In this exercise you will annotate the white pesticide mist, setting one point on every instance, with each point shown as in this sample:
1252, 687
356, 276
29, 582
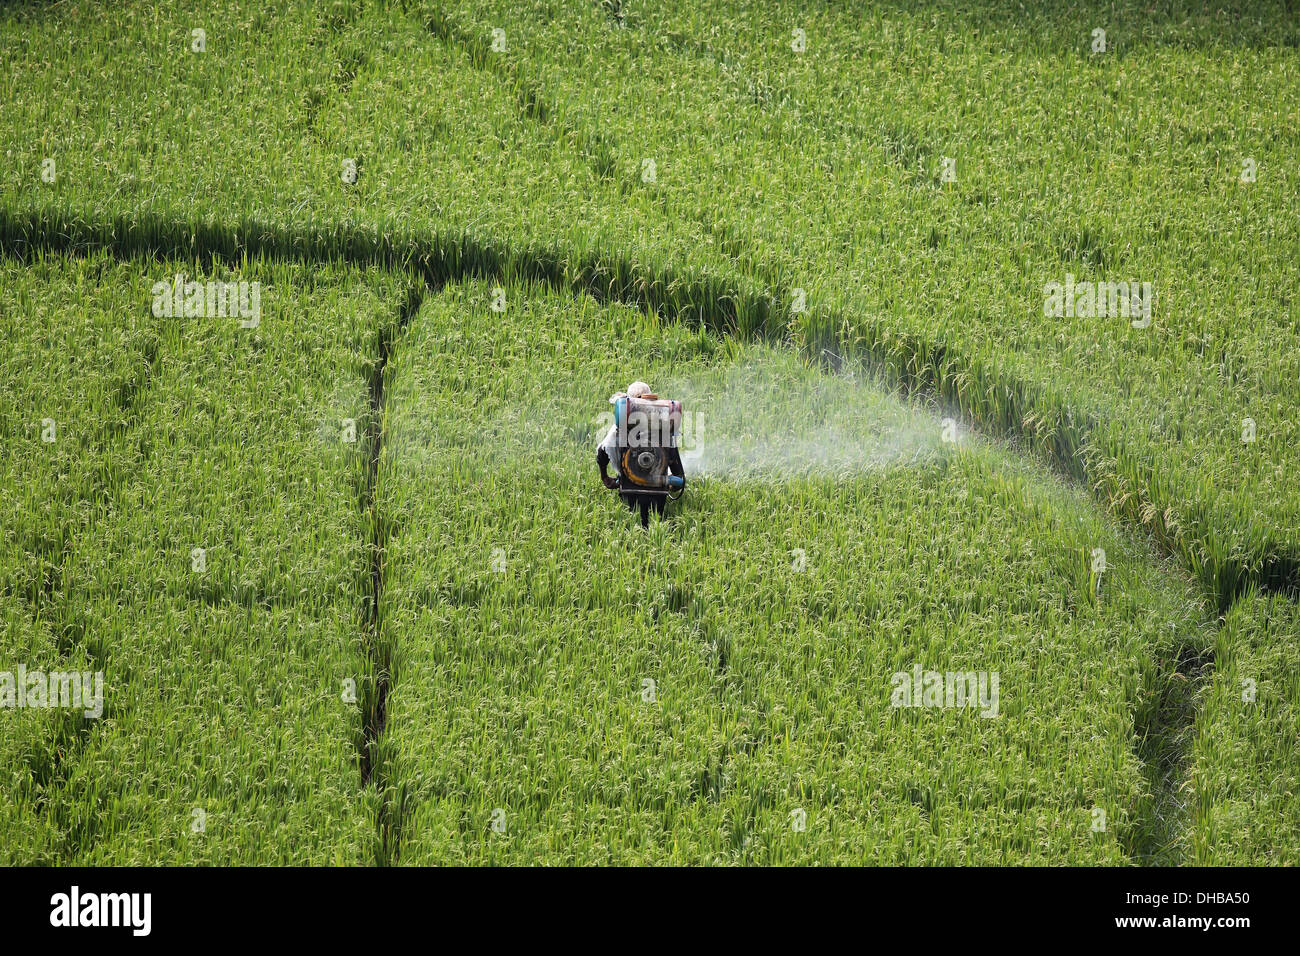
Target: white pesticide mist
773, 417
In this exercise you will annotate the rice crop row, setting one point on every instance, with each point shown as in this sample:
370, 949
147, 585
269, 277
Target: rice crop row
219, 583
67, 398
1243, 771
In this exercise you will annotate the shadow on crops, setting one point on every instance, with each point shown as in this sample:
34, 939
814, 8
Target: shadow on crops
436, 257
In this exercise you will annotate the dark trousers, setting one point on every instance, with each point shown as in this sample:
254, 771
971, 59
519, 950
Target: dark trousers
645, 503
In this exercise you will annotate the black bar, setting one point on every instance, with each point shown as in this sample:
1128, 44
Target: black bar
943, 907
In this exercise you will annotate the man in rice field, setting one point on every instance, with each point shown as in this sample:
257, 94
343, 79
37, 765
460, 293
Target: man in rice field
642, 446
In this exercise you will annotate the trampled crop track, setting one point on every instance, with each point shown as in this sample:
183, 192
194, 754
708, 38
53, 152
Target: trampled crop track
380, 654
913, 364
532, 104
594, 149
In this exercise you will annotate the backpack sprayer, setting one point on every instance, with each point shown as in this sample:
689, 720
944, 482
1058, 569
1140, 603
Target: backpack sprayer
647, 431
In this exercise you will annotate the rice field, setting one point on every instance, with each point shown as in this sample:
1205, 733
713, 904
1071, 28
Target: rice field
525, 615
354, 591
208, 557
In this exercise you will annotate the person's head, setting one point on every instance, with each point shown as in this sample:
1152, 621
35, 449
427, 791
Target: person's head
638, 390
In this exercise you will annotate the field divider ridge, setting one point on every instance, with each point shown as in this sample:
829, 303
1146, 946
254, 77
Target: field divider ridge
380, 653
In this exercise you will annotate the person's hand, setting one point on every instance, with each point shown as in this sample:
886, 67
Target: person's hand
610, 482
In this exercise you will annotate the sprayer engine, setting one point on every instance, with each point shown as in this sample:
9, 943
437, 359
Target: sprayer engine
646, 429
647, 468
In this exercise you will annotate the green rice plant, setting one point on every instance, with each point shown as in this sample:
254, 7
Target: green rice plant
525, 610
1243, 774
226, 740
74, 379
31, 740
70, 386
223, 586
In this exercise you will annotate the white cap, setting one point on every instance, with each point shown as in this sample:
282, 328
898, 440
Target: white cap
637, 389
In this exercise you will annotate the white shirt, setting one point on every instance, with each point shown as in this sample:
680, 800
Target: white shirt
610, 444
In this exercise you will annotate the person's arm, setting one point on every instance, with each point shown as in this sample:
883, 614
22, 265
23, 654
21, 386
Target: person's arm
675, 463
602, 462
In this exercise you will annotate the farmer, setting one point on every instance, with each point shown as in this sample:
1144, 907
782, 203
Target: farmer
609, 453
